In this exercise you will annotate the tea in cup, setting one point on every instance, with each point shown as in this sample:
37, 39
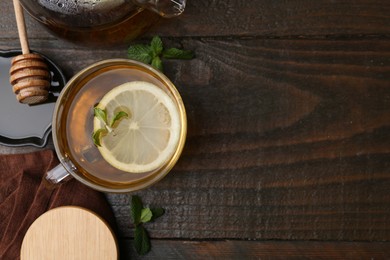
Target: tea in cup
118, 126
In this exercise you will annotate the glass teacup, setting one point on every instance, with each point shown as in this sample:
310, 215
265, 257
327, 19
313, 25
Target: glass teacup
73, 119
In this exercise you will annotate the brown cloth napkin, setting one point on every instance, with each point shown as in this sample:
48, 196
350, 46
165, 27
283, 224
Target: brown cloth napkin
24, 197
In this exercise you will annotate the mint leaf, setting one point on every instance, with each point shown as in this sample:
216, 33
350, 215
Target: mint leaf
118, 116
140, 52
141, 216
174, 53
156, 45
157, 63
157, 212
141, 240
146, 215
101, 114
152, 54
97, 136
136, 209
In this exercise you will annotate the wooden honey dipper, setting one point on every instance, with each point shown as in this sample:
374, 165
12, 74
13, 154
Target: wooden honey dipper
29, 74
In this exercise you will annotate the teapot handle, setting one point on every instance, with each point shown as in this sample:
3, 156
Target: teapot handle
165, 8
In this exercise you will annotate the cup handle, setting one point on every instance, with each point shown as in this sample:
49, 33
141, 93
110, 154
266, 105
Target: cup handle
165, 8
57, 175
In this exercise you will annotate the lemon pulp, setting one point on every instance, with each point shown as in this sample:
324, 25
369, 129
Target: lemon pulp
149, 136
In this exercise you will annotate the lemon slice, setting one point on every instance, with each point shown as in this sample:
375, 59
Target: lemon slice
149, 136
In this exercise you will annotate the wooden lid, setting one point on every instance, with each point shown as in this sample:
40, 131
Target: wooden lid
69, 233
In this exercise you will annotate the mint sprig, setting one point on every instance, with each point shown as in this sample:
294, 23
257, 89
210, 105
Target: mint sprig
141, 240
101, 114
97, 136
140, 52
118, 116
146, 215
141, 216
174, 53
136, 209
156, 45
154, 53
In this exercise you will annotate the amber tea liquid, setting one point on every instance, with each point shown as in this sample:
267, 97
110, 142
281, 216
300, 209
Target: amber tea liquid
75, 125
92, 22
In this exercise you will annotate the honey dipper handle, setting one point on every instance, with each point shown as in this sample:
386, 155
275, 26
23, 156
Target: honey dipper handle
21, 27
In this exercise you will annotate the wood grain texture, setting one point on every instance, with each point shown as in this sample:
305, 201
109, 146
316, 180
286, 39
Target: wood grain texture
288, 139
69, 233
166, 249
255, 18
288, 106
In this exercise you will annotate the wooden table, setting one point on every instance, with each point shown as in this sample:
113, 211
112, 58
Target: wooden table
288, 149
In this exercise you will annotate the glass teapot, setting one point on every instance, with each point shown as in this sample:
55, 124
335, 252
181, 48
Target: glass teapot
99, 22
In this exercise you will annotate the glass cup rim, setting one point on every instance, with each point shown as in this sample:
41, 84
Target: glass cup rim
165, 169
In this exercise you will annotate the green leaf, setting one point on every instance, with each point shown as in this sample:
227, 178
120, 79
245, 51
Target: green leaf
136, 209
146, 215
140, 52
101, 114
156, 45
97, 136
118, 116
174, 53
157, 212
154, 53
141, 240
157, 64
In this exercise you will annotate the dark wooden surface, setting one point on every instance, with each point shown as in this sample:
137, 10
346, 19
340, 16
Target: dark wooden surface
288, 107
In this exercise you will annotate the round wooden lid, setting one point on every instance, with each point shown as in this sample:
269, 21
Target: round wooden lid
69, 233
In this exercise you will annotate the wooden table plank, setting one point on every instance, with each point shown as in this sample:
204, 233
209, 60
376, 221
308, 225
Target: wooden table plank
305, 154
288, 139
256, 18
167, 249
